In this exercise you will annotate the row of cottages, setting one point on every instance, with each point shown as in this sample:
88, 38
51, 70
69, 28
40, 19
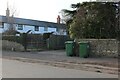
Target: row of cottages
36, 27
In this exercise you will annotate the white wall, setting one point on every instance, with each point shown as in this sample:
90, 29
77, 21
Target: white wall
32, 28
5, 27
25, 28
51, 29
1, 30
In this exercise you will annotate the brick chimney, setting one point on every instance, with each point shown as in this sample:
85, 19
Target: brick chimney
7, 11
58, 19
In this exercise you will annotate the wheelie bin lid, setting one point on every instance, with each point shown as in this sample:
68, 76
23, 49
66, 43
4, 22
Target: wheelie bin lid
86, 42
69, 42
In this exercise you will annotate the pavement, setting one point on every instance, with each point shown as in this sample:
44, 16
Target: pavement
18, 69
58, 58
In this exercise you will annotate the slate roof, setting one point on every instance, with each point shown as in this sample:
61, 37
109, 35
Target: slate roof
33, 22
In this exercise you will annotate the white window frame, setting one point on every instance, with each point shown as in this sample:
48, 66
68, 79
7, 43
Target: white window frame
20, 27
36, 28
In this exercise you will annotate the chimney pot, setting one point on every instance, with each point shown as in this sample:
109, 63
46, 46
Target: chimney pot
58, 19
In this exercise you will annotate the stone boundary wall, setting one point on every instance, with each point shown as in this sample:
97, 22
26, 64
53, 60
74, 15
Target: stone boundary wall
103, 47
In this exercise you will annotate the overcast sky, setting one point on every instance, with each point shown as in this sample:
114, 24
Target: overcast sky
45, 10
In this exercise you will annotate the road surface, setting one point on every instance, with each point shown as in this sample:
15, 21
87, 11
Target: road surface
60, 55
17, 69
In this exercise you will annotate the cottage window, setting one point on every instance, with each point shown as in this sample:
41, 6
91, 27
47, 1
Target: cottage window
1, 24
20, 27
45, 28
36, 28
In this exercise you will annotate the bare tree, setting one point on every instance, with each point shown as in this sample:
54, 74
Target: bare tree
10, 13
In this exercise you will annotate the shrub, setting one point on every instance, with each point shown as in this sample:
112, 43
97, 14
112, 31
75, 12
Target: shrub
11, 46
11, 38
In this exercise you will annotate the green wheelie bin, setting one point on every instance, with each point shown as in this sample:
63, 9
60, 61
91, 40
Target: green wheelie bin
69, 45
84, 49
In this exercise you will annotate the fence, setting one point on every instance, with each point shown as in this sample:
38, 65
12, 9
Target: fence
57, 42
38, 42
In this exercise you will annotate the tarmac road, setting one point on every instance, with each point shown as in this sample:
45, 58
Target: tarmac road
57, 55
17, 69
52, 58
